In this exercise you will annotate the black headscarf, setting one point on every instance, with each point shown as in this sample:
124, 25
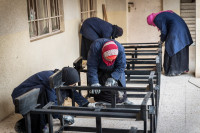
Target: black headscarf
70, 76
117, 31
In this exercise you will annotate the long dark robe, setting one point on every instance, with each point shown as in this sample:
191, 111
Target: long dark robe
178, 63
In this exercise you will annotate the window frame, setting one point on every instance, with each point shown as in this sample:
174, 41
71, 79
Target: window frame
35, 21
91, 10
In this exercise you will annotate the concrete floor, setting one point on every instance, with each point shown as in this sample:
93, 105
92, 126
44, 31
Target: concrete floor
179, 110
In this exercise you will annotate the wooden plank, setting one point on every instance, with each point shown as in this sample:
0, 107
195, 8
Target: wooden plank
27, 101
55, 80
104, 12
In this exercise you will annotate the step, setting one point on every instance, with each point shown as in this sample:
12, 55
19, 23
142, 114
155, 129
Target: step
188, 15
192, 29
189, 19
188, 6
193, 32
191, 26
188, 11
193, 36
188, 22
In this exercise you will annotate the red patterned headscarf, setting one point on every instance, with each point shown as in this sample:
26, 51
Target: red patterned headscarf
109, 52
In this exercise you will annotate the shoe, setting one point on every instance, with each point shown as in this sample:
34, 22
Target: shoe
45, 129
68, 119
91, 105
20, 126
127, 102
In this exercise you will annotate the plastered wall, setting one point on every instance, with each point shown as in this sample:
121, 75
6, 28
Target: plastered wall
197, 65
172, 5
21, 58
117, 15
99, 8
138, 29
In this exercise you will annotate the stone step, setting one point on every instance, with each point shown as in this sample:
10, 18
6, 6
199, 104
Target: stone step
188, 6
193, 35
189, 19
190, 22
191, 26
188, 14
188, 11
193, 32
192, 29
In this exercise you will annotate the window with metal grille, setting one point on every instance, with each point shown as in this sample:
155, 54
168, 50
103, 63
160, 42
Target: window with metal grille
88, 9
45, 18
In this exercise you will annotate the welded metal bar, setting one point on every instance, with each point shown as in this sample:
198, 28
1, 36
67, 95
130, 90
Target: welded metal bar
50, 120
140, 59
149, 43
137, 72
133, 51
152, 46
137, 82
136, 95
141, 62
103, 88
98, 125
93, 129
113, 98
128, 53
73, 101
84, 113
144, 68
119, 108
28, 122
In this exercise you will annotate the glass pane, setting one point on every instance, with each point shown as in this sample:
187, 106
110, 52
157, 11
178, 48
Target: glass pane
31, 9
92, 14
43, 27
33, 29
54, 8
55, 24
84, 5
91, 5
81, 5
42, 8
84, 16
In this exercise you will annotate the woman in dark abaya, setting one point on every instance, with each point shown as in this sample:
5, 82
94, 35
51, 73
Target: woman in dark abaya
95, 28
177, 38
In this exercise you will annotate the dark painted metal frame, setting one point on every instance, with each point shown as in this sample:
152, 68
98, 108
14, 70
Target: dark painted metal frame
139, 74
56, 80
139, 112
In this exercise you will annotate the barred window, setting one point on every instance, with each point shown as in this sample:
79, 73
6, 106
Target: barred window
45, 18
88, 9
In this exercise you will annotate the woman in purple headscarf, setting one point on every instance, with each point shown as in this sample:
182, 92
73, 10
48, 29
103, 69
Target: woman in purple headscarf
177, 37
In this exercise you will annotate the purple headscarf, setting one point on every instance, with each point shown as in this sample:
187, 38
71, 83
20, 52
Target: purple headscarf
152, 16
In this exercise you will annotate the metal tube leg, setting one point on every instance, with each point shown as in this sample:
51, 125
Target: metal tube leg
98, 125
28, 122
50, 123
